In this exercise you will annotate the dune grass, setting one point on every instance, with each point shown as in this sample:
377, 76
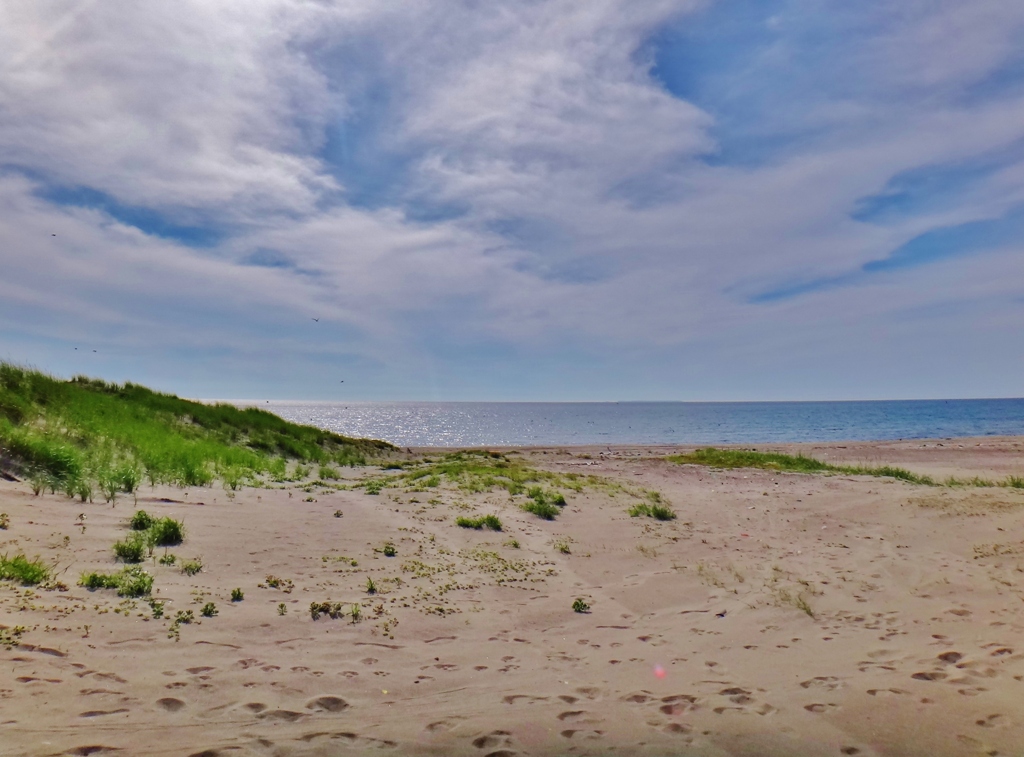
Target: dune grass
26, 572
83, 435
775, 461
484, 521
131, 581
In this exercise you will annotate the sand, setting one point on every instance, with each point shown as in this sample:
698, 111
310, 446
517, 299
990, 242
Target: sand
780, 614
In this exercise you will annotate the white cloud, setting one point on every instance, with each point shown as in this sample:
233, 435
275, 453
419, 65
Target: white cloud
590, 215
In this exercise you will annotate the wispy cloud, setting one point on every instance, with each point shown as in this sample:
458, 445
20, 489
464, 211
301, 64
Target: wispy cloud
674, 199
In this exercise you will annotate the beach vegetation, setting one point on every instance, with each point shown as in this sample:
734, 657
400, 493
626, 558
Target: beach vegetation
166, 532
389, 550
776, 461
371, 587
191, 567
167, 559
140, 521
282, 608
652, 510
131, 549
209, 610
580, 605
5, 521
23, 570
237, 595
73, 435
131, 581
484, 521
544, 510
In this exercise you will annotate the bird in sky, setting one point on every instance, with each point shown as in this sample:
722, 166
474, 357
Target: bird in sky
317, 320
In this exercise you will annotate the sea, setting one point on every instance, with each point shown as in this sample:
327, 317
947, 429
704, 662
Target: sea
487, 424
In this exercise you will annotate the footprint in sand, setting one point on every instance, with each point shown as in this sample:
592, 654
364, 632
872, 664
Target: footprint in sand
91, 749
575, 716
991, 721
829, 683
575, 734
100, 713
256, 707
492, 739
443, 726
568, 698
950, 657
350, 739
886, 692
818, 707
288, 716
327, 704
170, 704
929, 676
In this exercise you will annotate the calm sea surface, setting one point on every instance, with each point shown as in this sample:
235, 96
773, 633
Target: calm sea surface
469, 424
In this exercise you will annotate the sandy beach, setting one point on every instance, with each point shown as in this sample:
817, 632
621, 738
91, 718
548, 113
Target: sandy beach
778, 614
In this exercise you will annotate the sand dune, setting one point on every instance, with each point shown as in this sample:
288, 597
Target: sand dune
779, 614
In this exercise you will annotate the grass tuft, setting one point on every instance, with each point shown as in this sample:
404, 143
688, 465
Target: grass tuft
26, 572
776, 461
484, 521
656, 511
132, 549
141, 521
580, 605
131, 581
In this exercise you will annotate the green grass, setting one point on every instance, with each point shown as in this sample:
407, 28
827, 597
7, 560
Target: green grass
131, 581
580, 605
132, 549
656, 511
141, 521
26, 572
484, 521
209, 610
735, 458
544, 510
191, 567
478, 471
166, 532
84, 434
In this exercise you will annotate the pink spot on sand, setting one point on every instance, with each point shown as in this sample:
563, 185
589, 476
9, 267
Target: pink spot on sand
659, 672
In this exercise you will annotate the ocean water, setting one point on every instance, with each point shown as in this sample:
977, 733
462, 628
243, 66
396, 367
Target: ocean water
473, 424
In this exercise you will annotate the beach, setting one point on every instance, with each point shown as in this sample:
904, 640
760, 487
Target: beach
778, 614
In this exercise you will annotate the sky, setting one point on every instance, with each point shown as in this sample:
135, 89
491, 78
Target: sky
538, 200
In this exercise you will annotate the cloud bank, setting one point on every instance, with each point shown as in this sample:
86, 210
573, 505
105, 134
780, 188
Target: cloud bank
531, 200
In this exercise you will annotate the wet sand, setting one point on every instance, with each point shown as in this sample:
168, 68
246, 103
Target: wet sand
779, 614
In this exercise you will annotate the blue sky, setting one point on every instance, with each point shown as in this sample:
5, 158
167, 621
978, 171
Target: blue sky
674, 200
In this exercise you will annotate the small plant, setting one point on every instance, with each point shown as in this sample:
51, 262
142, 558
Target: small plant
371, 587
513, 543
544, 510
356, 613
390, 550
333, 611
167, 532
168, 559
27, 572
273, 582
1015, 482
338, 514
191, 567
11, 637
5, 521
484, 521
132, 549
282, 609
656, 511
327, 473
237, 595
209, 610
131, 581
562, 545
375, 486
580, 605
184, 617
157, 607
140, 521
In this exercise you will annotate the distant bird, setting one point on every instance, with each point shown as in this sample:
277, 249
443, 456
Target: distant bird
317, 320
94, 350
53, 235
343, 381
76, 348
